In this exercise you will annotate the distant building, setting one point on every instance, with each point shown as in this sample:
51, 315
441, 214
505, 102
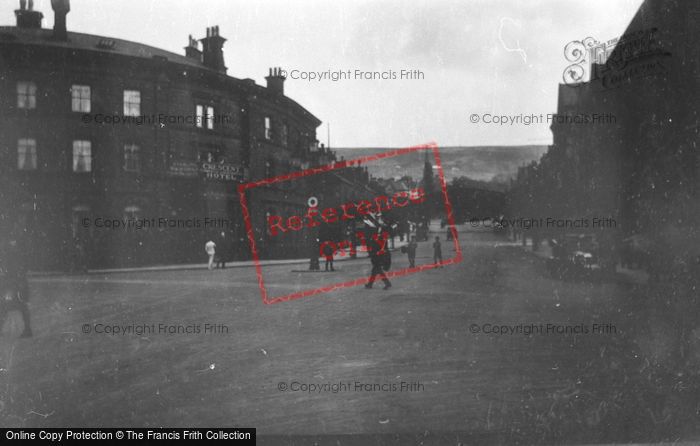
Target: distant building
639, 163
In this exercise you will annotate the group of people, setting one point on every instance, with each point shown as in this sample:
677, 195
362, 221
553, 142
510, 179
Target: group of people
381, 259
410, 249
380, 256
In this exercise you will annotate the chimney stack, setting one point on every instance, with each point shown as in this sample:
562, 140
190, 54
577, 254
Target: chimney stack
61, 8
192, 50
212, 50
275, 80
28, 18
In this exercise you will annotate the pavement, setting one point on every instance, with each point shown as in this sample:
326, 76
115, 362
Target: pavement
419, 362
235, 264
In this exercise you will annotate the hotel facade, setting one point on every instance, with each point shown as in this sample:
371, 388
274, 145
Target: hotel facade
133, 153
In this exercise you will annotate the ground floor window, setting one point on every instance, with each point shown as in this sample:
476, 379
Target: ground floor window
132, 159
26, 154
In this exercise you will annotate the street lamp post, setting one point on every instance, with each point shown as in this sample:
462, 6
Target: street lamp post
314, 264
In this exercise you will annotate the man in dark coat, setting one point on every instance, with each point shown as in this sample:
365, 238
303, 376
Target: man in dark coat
380, 257
411, 250
328, 254
222, 251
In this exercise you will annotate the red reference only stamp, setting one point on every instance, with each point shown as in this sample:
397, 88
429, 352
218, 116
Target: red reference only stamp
349, 220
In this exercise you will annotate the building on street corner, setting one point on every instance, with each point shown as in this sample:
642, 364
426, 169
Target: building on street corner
99, 134
640, 169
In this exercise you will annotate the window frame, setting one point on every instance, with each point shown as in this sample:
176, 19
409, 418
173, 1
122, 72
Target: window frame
210, 117
23, 147
26, 97
129, 105
80, 145
80, 88
199, 115
135, 158
268, 127
285, 135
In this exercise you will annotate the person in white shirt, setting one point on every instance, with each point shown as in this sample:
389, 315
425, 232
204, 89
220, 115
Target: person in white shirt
210, 248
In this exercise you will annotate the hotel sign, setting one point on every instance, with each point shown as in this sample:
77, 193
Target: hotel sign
207, 171
221, 171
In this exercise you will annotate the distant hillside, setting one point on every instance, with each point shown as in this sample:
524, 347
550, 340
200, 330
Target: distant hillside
481, 163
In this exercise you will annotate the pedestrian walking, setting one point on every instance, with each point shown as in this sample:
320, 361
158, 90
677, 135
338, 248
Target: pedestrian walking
411, 250
380, 256
210, 248
222, 251
437, 250
328, 254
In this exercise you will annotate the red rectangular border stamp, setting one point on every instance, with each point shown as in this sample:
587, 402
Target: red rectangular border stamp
267, 299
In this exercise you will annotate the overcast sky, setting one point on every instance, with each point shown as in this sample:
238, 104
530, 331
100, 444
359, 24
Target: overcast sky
477, 56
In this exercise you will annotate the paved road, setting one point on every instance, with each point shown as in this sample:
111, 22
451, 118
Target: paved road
420, 331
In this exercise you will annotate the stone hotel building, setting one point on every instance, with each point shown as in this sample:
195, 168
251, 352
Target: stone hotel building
96, 129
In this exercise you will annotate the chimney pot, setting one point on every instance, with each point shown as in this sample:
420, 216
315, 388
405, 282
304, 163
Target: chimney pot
28, 18
275, 80
212, 51
192, 50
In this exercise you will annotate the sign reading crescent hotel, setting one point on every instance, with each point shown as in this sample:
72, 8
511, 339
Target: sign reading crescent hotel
208, 171
222, 171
